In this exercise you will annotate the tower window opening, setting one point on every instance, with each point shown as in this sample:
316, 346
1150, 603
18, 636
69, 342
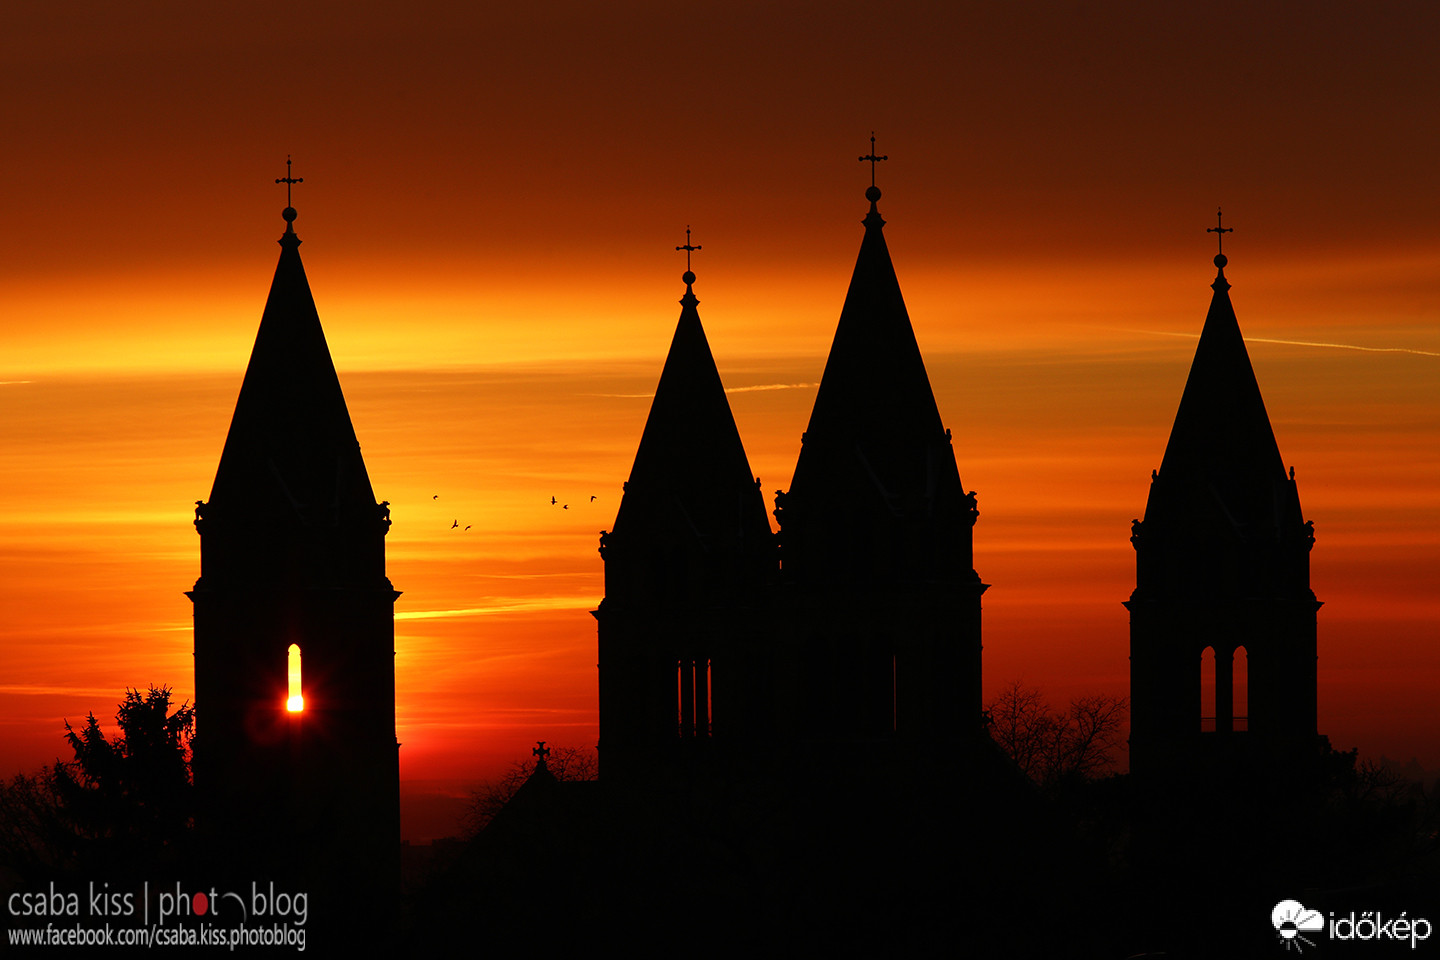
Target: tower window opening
1242, 689
1207, 690
295, 702
894, 695
694, 698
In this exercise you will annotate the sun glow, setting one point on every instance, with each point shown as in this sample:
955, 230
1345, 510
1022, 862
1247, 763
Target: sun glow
296, 702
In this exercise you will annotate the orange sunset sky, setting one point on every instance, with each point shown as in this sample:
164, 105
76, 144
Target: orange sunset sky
490, 206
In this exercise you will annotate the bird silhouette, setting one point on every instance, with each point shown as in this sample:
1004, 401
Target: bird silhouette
553, 501
455, 524
566, 507
592, 499
436, 497
467, 526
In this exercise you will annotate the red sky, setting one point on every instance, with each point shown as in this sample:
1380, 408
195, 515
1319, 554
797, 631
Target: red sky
490, 207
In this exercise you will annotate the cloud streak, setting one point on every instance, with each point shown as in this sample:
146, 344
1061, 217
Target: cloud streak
500, 606
771, 386
1299, 343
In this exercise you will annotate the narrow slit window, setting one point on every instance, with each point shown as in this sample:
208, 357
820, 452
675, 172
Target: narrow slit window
1242, 689
1207, 690
296, 701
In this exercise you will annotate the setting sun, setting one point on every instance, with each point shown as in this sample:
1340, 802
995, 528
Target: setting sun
296, 702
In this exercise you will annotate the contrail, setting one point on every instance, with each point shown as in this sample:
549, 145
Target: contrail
758, 386
1299, 343
1347, 346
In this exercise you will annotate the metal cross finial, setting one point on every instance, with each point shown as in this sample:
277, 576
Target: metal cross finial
289, 181
1219, 229
541, 751
872, 158
688, 247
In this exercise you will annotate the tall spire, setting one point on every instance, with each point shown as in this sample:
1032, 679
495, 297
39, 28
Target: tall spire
684, 568
876, 534
293, 590
1222, 575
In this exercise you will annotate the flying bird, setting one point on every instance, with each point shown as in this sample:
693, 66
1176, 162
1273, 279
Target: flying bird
553, 501
592, 498
455, 524
436, 497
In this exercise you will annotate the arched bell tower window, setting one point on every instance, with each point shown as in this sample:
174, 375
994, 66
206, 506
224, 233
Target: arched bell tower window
1218, 712
295, 702
1242, 688
1207, 690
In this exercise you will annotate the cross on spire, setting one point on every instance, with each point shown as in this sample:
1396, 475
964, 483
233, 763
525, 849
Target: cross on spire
688, 248
1220, 230
289, 181
541, 750
872, 158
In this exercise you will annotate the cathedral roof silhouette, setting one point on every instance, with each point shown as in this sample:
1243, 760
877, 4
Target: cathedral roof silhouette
291, 452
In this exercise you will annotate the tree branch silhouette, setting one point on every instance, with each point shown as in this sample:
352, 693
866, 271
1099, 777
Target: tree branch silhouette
1051, 747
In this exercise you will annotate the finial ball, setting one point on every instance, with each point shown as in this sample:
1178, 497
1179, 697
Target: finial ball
688, 277
872, 193
1220, 260
289, 214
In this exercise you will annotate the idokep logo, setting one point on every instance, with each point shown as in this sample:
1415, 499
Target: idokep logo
1290, 917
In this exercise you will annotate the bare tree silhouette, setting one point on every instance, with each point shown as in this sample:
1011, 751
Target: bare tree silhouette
1051, 746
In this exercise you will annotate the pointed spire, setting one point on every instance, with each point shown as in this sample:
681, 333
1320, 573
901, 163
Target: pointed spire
690, 474
1222, 464
876, 465
875, 394
291, 450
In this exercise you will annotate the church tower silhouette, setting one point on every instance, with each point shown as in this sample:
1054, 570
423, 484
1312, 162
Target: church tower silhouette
292, 548
1222, 581
861, 632
882, 598
680, 627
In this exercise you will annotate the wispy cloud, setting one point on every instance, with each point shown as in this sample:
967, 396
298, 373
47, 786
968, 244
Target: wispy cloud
501, 606
7, 383
39, 689
771, 386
